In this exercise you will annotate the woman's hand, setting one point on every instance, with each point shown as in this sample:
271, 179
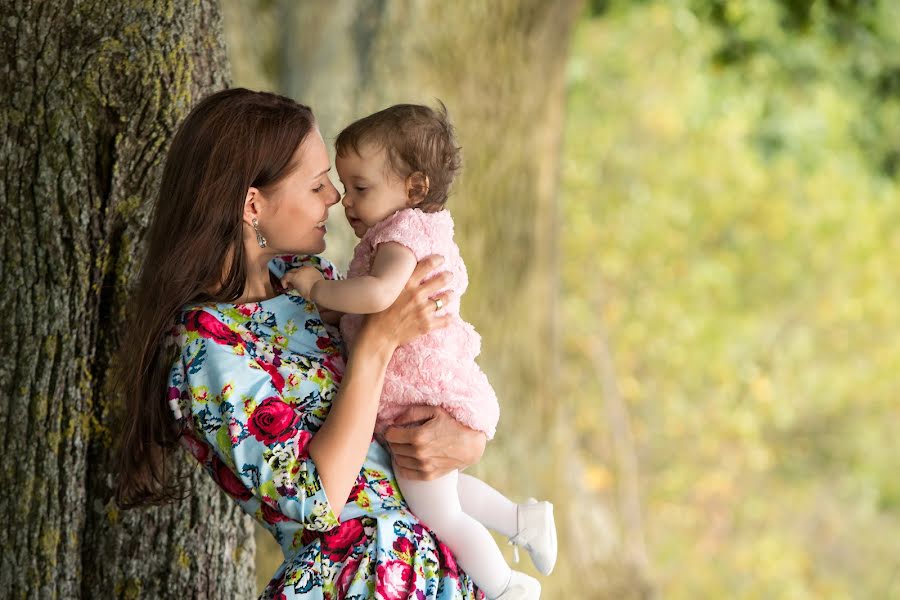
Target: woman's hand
414, 312
428, 443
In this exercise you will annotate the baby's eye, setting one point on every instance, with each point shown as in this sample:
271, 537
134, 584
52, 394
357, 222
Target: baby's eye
360, 189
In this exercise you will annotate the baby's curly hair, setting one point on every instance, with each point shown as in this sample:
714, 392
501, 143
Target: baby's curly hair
415, 138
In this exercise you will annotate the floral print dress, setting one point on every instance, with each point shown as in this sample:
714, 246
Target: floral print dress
250, 385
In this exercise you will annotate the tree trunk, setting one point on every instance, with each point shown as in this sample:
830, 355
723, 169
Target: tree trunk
92, 95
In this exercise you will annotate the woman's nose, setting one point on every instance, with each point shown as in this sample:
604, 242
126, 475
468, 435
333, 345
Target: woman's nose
336, 197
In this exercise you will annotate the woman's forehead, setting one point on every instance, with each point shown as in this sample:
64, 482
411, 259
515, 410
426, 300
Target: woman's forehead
311, 156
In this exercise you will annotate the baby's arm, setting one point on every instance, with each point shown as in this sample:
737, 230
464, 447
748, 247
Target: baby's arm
391, 269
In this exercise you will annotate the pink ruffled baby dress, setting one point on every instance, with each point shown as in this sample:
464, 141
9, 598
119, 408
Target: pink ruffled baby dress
438, 368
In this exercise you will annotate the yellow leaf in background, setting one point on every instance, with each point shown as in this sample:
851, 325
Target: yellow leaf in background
631, 388
664, 121
762, 389
598, 478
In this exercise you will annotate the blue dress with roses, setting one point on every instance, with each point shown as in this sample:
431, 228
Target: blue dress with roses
250, 385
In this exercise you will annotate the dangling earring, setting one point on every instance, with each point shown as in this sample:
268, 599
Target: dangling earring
259, 237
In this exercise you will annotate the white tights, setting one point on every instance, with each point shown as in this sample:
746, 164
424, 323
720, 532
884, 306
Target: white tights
459, 508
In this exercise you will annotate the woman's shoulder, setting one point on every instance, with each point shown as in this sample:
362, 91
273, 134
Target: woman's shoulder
277, 324
235, 344
264, 331
205, 322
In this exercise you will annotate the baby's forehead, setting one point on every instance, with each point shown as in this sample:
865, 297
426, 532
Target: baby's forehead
366, 151
368, 158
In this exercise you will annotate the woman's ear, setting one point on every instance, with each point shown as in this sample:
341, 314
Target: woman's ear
416, 188
251, 205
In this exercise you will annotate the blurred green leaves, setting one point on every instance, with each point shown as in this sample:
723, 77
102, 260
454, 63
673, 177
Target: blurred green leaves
735, 226
852, 46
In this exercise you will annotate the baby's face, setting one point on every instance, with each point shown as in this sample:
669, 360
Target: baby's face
372, 192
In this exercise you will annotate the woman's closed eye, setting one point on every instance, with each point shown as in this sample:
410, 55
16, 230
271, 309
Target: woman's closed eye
319, 189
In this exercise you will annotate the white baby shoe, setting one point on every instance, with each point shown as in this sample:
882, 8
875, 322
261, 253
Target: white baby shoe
537, 534
521, 587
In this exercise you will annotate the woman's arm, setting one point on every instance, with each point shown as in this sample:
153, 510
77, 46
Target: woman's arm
339, 448
428, 443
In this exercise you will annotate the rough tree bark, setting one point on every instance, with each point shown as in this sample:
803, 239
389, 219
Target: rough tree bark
92, 92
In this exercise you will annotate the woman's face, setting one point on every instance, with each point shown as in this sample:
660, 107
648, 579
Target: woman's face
292, 215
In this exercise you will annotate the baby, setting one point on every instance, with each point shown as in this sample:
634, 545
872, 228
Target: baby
396, 167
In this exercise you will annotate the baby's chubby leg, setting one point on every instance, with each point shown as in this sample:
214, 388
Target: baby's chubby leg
488, 506
529, 525
436, 503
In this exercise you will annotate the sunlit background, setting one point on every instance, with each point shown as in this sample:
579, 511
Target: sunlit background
682, 224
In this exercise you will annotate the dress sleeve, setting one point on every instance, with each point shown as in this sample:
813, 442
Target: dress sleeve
408, 228
258, 439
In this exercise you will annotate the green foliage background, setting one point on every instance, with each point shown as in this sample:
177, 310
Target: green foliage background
731, 219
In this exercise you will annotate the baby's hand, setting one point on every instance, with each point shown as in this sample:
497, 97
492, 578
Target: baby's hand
302, 280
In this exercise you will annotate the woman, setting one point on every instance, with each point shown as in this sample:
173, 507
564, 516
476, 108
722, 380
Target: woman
243, 374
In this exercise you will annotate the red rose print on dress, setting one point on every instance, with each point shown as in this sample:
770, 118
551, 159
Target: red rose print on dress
211, 328
404, 549
340, 541
346, 576
228, 481
325, 343
393, 580
309, 536
273, 421
335, 364
198, 449
384, 488
174, 394
448, 560
278, 588
272, 515
357, 488
303, 439
272, 370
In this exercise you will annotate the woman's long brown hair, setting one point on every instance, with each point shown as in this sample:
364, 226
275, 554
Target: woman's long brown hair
232, 140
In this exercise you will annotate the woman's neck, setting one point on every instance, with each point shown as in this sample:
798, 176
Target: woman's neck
259, 285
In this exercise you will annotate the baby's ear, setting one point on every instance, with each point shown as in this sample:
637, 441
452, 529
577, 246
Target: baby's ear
416, 187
